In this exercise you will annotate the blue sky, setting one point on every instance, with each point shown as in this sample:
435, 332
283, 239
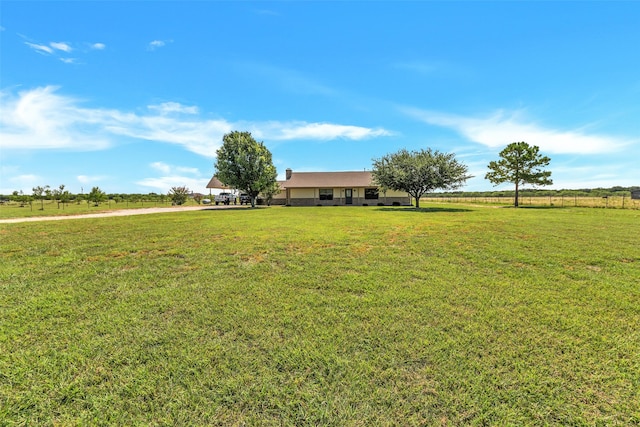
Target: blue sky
135, 97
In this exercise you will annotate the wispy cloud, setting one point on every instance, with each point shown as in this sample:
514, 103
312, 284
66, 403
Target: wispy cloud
40, 48
286, 131
61, 46
60, 49
50, 48
43, 119
173, 107
157, 44
88, 179
503, 127
170, 169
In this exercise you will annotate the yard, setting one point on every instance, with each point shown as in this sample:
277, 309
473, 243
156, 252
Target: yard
450, 315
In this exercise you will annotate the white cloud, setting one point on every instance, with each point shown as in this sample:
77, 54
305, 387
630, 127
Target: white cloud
40, 48
86, 179
61, 46
42, 119
59, 49
315, 131
162, 167
156, 44
502, 128
173, 107
169, 169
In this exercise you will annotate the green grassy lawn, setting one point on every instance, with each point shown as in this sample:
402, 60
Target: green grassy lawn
451, 315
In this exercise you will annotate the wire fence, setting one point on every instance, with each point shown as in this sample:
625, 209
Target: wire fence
611, 202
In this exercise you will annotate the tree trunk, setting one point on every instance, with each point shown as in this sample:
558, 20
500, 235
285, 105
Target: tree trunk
253, 201
417, 202
515, 202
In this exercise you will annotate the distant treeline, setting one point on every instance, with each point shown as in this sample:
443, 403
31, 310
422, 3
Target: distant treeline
66, 197
585, 192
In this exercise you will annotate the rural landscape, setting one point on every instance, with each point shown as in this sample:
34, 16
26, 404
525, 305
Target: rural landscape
446, 315
319, 213
440, 313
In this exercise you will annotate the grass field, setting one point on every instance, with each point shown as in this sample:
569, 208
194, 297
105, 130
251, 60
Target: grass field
610, 202
451, 315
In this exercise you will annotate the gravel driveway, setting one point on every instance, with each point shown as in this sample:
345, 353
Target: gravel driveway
123, 212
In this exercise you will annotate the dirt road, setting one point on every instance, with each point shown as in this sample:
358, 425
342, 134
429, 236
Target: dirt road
122, 212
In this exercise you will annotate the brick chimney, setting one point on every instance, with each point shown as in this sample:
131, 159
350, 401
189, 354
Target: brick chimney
289, 172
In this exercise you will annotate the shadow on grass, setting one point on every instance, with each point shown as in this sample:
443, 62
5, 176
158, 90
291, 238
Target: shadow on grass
232, 208
534, 207
422, 210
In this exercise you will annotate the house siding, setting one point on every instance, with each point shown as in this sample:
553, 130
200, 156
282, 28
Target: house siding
311, 197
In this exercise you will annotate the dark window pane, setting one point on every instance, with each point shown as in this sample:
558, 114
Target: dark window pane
370, 193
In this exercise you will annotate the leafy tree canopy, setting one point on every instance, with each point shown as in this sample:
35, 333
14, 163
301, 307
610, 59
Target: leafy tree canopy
419, 172
96, 196
519, 164
245, 164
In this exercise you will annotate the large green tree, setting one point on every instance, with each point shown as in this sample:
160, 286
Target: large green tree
419, 172
245, 164
520, 164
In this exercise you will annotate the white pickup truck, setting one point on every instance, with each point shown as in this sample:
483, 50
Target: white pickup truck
225, 198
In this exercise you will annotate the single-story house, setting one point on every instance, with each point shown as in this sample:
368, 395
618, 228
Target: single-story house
335, 188
330, 189
635, 194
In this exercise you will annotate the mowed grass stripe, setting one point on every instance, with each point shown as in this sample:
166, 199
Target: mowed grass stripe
323, 316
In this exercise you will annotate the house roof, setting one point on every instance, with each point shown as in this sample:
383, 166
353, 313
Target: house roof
328, 179
215, 183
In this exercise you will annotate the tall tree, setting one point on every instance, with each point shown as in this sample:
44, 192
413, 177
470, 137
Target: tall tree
419, 172
245, 164
520, 164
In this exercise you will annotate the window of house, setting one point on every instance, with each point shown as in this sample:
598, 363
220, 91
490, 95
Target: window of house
326, 194
370, 193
